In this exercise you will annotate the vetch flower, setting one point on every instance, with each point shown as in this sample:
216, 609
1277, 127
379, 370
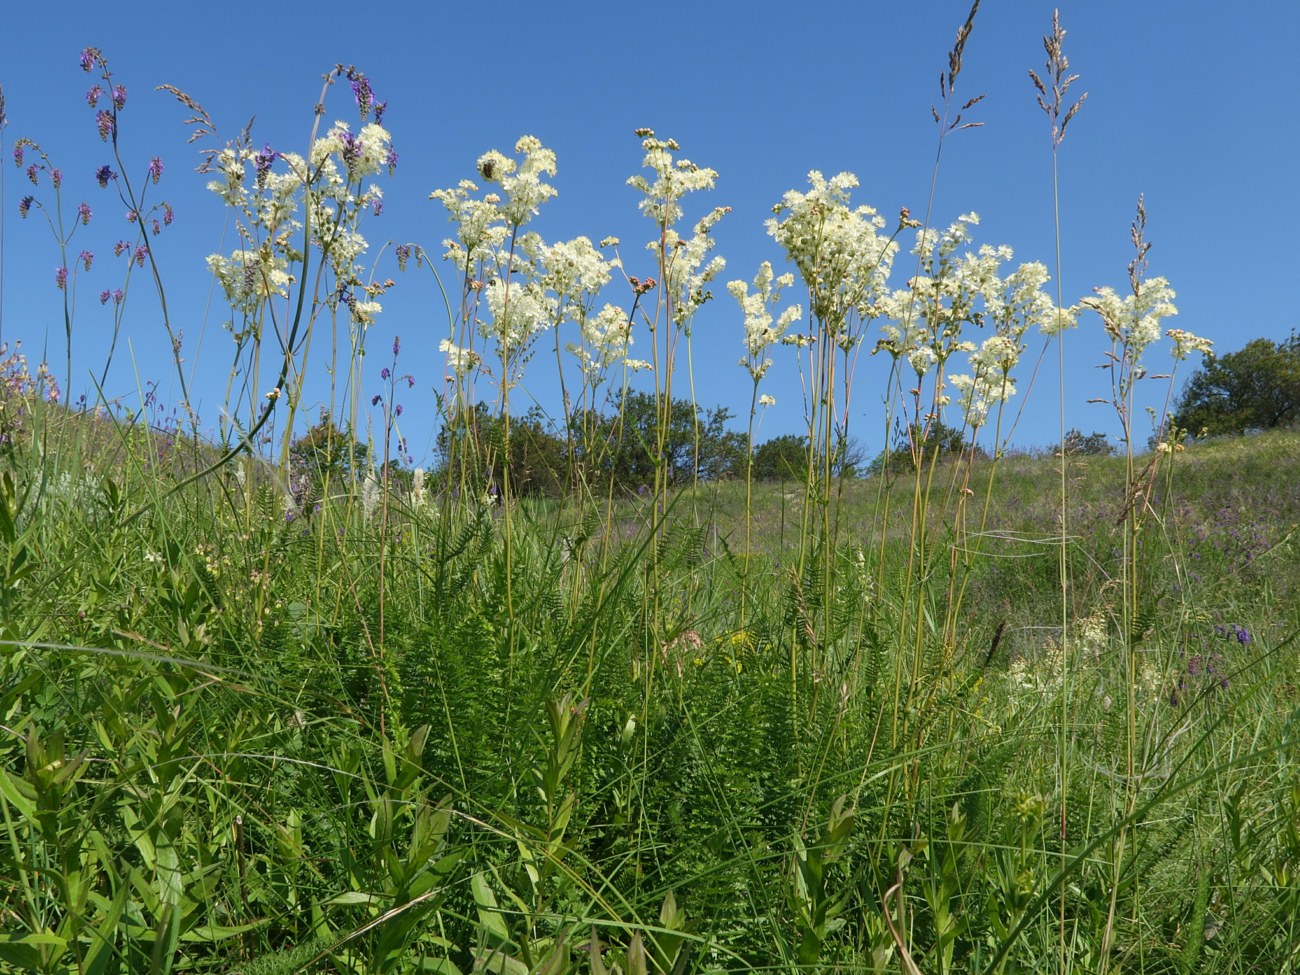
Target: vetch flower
61, 277
155, 169
103, 175
83, 213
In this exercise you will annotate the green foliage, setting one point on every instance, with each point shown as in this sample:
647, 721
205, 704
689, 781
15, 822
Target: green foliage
783, 458
1254, 388
696, 443
1087, 445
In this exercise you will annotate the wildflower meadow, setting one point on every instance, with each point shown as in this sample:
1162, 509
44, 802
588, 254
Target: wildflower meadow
612, 683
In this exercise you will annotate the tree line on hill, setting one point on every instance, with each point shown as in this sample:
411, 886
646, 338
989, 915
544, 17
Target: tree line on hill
1255, 388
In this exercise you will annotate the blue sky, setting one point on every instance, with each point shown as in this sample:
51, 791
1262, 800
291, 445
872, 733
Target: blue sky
1188, 103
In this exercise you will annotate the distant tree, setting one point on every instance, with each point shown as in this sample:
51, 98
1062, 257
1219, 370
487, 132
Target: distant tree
1255, 388
783, 458
921, 443
625, 446
326, 458
1091, 445
537, 461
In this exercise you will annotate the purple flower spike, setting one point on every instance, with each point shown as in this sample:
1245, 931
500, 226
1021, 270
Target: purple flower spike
167, 214
83, 213
88, 58
104, 174
374, 400
1243, 635
104, 122
104, 296
92, 96
33, 174
56, 177
24, 205
18, 154
61, 277
86, 258
384, 373
119, 97
397, 345
155, 169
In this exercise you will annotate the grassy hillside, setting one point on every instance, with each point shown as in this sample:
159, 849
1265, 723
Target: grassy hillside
414, 732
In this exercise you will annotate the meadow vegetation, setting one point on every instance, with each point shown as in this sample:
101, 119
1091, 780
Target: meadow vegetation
619, 690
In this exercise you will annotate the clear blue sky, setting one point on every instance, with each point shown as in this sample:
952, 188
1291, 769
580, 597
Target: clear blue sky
1189, 103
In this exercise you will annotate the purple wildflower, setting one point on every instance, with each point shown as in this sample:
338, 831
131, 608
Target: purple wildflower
104, 296
167, 214
119, 97
139, 255
83, 213
262, 161
351, 150
56, 177
397, 346
87, 258
103, 174
155, 169
384, 373
403, 252
120, 247
24, 205
118, 295
61, 277
104, 122
88, 58
156, 227
33, 174
92, 96
397, 411
361, 91
1242, 634
374, 400
380, 109
390, 160
18, 154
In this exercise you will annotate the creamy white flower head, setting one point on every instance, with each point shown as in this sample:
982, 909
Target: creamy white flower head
766, 400
460, 361
524, 186
230, 163
606, 337
922, 358
1185, 343
687, 273
575, 270
839, 251
674, 178
479, 223
250, 277
760, 330
365, 312
1134, 320
519, 312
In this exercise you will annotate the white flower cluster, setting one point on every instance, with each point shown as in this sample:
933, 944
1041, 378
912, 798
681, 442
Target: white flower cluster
953, 291
330, 182
1185, 343
689, 269
839, 250
674, 178
1134, 320
761, 332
